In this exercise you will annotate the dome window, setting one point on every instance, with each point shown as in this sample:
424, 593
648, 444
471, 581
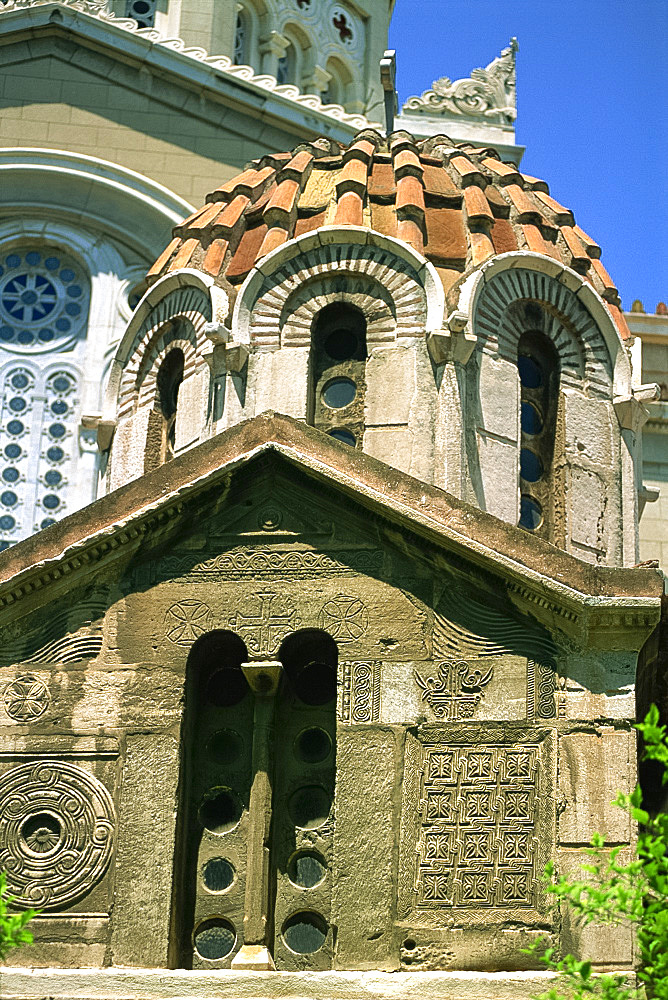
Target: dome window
337, 376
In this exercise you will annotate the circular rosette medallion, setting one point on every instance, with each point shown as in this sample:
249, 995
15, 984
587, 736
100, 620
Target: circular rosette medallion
56, 832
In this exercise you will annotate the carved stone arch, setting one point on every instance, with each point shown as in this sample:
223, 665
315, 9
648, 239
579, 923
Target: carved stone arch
503, 311
387, 288
176, 321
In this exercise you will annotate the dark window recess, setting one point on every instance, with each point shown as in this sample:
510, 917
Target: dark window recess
337, 373
540, 488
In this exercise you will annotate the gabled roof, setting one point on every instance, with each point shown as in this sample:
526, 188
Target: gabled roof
561, 591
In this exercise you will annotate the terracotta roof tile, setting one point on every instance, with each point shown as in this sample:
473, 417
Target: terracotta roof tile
246, 253
506, 173
183, 254
620, 321
609, 292
562, 216
503, 236
592, 248
226, 220
527, 210
446, 239
163, 258
381, 182
214, 257
456, 204
477, 206
349, 210
410, 196
580, 260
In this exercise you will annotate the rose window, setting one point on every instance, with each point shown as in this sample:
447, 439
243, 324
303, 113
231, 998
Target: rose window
43, 299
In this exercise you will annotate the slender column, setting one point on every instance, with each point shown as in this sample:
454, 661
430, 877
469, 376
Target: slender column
263, 678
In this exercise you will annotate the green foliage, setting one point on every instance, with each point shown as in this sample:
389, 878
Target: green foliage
12, 925
634, 894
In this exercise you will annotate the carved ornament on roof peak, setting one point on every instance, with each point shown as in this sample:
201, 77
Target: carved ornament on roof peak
488, 95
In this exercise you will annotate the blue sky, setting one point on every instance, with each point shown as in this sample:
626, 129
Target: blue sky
592, 95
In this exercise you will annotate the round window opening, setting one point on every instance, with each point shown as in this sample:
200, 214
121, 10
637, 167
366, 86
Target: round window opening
531, 467
305, 932
339, 392
531, 420
531, 375
341, 344
218, 874
307, 869
215, 939
341, 434
531, 513
220, 811
313, 745
43, 299
309, 807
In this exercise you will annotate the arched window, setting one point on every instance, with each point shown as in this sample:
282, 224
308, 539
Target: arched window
340, 84
287, 66
240, 54
337, 382
161, 436
38, 426
255, 832
538, 367
143, 11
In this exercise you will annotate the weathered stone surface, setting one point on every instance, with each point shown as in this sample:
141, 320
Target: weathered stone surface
143, 889
364, 871
602, 944
593, 767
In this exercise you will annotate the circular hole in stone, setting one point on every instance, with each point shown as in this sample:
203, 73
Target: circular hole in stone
313, 745
409, 944
226, 687
531, 420
531, 467
339, 392
315, 684
531, 513
341, 434
309, 807
41, 833
214, 939
218, 874
306, 869
225, 746
305, 932
220, 811
341, 345
531, 375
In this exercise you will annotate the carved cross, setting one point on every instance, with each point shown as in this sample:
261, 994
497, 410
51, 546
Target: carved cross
340, 22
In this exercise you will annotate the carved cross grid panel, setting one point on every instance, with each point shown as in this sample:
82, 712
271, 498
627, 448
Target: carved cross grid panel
265, 623
478, 814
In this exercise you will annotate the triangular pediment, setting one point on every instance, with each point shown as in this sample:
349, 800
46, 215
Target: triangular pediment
272, 497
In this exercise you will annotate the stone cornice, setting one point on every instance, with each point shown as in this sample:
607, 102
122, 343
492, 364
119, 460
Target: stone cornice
588, 604
260, 94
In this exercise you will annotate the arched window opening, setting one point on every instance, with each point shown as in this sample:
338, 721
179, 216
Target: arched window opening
215, 792
161, 437
287, 66
306, 763
255, 827
541, 495
240, 55
340, 84
337, 372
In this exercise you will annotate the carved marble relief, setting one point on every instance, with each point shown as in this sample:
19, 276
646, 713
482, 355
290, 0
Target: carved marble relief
56, 832
359, 691
478, 812
265, 620
26, 698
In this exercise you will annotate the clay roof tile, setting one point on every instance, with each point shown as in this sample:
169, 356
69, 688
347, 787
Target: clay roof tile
562, 216
477, 206
526, 208
579, 259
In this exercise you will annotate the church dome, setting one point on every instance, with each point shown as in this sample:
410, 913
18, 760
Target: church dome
455, 203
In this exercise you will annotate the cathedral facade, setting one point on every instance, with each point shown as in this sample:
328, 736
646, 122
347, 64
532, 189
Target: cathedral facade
352, 642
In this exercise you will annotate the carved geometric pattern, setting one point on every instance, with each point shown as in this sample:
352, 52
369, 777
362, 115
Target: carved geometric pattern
344, 617
262, 564
186, 621
478, 812
360, 691
25, 698
456, 690
264, 627
56, 832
